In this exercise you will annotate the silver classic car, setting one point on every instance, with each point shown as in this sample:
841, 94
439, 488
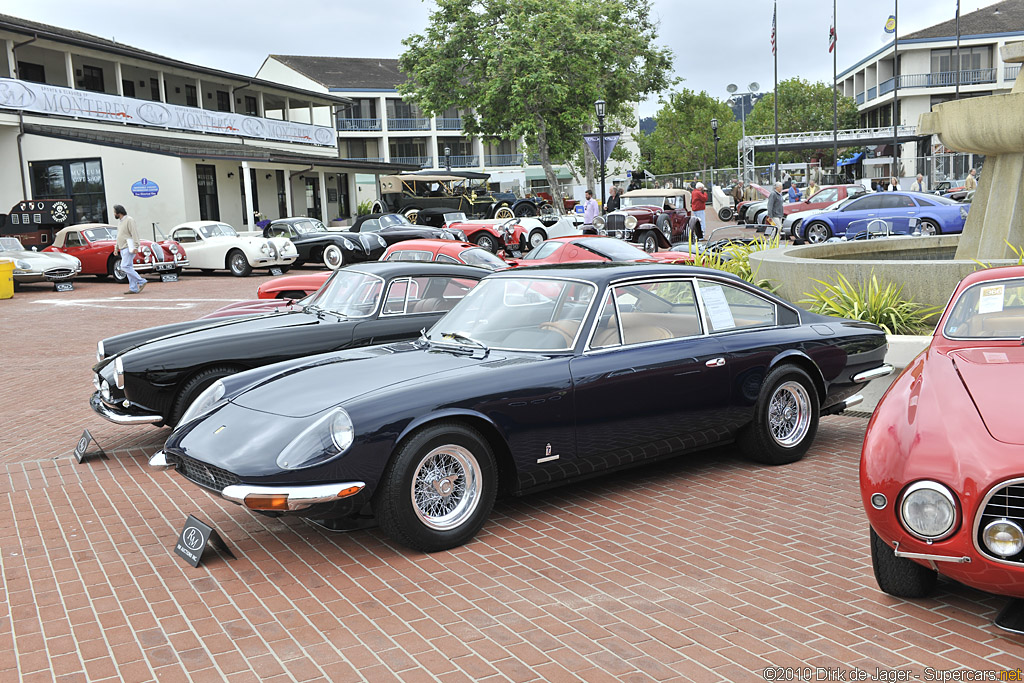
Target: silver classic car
38, 266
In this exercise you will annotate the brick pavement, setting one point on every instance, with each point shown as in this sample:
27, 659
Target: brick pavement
702, 568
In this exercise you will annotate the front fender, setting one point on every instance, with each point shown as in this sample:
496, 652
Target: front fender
450, 414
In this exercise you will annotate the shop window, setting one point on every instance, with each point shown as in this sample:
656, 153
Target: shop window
92, 79
206, 181
191, 99
80, 180
28, 71
128, 87
223, 101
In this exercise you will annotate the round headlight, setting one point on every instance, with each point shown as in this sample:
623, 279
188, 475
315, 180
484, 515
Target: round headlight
22, 265
599, 222
326, 438
1003, 537
342, 431
345, 244
265, 248
630, 222
928, 510
204, 402
173, 248
381, 242
105, 390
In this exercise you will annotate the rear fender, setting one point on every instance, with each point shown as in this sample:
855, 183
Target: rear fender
802, 361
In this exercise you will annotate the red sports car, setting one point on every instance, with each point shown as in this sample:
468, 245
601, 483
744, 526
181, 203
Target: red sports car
94, 245
444, 251
494, 234
292, 286
942, 468
579, 248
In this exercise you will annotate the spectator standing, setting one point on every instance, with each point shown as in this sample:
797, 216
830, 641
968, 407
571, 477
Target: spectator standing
812, 188
127, 244
737, 193
918, 185
794, 193
775, 210
613, 199
699, 201
590, 211
972, 181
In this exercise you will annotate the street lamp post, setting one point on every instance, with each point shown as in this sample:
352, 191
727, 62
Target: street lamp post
599, 110
714, 134
448, 158
752, 89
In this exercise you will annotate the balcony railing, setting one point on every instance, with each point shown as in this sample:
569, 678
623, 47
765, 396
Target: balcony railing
422, 162
860, 98
408, 124
358, 124
941, 79
504, 160
449, 124
871, 93
1010, 72
459, 161
363, 158
886, 86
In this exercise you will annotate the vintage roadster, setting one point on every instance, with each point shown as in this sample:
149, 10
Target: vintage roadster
213, 245
941, 470
314, 243
538, 377
38, 266
94, 244
651, 218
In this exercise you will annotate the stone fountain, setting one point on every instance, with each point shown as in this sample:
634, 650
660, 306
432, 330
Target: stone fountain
929, 268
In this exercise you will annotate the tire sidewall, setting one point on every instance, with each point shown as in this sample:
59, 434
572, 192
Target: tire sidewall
486, 241
238, 257
816, 224
393, 500
115, 271
537, 232
649, 237
334, 249
759, 442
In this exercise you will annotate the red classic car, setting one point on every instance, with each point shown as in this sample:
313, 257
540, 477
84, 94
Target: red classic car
444, 251
582, 248
651, 218
292, 286
94, 245
942, 468
492, 234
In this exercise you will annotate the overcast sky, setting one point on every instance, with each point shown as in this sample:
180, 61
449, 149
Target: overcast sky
715, 42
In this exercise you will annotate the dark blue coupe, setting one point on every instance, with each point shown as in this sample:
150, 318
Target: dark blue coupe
935, 215
537, 377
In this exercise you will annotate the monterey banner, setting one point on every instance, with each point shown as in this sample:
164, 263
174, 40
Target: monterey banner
593, 141
52, 99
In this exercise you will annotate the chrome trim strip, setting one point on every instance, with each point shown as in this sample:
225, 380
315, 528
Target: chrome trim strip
883, 370
159, 461
930, 558
980, 511
299, 497
105, 411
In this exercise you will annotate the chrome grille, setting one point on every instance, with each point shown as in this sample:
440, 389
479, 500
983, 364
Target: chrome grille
207, 476
158, 253
58, 273
1005, 502
615, 221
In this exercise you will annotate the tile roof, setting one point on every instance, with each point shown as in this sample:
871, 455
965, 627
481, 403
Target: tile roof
353, 73
1006, 16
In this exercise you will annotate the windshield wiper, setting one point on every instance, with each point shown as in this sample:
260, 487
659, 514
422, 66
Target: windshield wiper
469, 341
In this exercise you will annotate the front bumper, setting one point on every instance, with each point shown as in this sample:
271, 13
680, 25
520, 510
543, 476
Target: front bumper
160, 266
118, 415
51, 275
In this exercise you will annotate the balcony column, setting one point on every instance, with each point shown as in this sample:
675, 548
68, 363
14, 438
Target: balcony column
288, 193
260, 109
118, 77
247, 190
163, 86
323, 198
69, 69
199, 93
287, 109
382, 110
311, 112
478, 149
12, 65
231, 99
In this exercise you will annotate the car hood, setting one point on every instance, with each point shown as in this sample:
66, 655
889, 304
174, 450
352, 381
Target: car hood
986, 372
334, 379
43, 260
639, 210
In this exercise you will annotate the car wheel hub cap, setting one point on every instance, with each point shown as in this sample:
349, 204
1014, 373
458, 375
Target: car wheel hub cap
446, 487
789, 414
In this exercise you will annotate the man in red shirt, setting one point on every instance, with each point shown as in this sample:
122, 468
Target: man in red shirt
699, 200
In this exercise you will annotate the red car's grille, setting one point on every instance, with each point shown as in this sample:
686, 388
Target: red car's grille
1006, 502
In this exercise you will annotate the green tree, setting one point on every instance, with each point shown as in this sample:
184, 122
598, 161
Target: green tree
534, 68
682, 140
803, 106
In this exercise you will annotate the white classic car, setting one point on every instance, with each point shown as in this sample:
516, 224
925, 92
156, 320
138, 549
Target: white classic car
38, 266
212, 245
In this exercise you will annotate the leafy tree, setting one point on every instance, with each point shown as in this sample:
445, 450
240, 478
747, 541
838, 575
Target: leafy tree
534, 68
803, 106
682, 140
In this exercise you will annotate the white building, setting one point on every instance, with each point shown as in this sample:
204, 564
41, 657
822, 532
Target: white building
927, 71
380, 126
86, 119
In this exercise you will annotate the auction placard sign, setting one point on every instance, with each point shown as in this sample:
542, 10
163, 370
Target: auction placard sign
52, 99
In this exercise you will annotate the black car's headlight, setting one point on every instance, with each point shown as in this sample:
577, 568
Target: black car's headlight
928, 510
210, 397
119, 373
460, 235
326, 438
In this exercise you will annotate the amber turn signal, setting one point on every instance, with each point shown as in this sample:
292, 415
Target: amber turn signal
267, 501
350, 491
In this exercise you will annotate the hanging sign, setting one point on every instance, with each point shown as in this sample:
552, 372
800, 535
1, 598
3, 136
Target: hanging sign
145, 188
38, 214
593, 141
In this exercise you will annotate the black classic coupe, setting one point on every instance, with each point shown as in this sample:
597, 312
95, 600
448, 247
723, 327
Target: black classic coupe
539, 376
316, 244
151, 376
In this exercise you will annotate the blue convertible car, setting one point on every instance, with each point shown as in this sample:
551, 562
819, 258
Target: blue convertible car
935, 215
537, 377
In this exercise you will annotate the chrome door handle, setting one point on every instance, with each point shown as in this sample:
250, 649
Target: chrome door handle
715, 363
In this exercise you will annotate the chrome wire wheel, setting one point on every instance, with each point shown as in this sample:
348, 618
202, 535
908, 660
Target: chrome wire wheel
446, 487
789, 414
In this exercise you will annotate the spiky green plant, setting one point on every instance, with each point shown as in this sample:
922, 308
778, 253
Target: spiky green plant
870, 302
738, 261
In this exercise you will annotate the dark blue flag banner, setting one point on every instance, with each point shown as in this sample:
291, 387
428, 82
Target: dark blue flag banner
593, 141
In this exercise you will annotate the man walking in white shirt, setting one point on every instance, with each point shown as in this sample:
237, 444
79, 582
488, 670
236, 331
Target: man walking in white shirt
128, 243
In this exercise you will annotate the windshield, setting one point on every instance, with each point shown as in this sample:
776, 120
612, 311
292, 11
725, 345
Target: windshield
10, 244
988, 310
612, 249
305, 227
390, 220
458, 217
94, 234
483, 258
349, 293
217, 230
645, 201
520, 314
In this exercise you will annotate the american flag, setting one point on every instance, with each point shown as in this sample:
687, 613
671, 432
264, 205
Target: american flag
774, 13
832, 39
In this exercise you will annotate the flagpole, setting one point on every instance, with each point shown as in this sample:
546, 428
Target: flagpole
958, 64
895, 89
835, 94
775, 54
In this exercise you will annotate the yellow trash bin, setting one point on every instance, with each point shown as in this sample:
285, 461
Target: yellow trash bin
6, 278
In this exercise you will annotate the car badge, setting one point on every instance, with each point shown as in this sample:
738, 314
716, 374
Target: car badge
208, 475
220, 429
547, 455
